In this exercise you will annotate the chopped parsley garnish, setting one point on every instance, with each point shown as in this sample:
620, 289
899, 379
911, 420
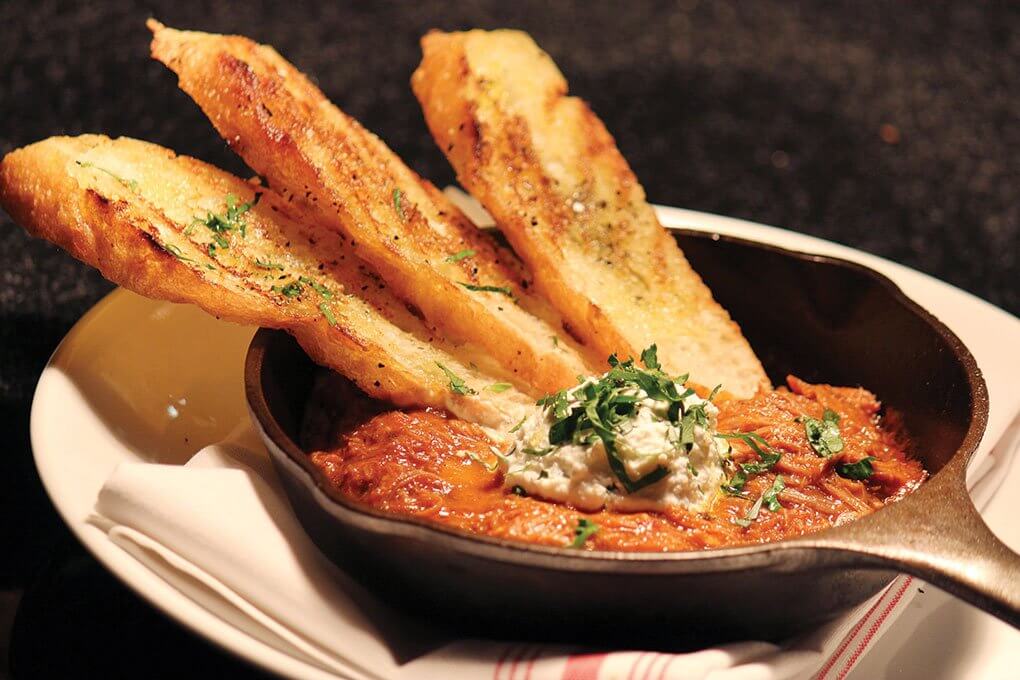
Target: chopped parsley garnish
823, 435
499, 387
598, 409
268, 265
398, 203
518, 425
489, 289
537, 452
584, 530
858, 471
174, 250
328, 313
129, 183
695, 415
769, 498
649, 357
767, 457
556, 341
230, 220
771, 495
316, 286
292, 289
461, 255
457, 385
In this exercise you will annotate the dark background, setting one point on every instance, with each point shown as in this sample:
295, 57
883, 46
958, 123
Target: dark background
891, 127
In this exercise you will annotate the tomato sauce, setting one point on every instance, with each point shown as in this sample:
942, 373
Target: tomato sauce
414, 463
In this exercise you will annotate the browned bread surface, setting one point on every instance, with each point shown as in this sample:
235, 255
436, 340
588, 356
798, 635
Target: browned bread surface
286, 129
552, 177
173, 228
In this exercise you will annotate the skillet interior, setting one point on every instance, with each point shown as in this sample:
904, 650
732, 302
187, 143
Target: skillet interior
823, 319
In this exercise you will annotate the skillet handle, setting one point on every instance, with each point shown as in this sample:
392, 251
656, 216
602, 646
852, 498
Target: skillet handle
937, 534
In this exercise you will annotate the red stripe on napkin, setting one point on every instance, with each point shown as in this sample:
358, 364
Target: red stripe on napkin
852, 661
637, 662
852, 636
665, 666
535, 653
501, 661
647, 675
584, 667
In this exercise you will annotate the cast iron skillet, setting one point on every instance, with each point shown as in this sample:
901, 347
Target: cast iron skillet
820, 318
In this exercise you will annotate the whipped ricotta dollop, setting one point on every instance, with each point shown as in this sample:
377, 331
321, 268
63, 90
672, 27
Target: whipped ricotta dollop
631, 439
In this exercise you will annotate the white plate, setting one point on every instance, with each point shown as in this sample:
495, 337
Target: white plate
152, 381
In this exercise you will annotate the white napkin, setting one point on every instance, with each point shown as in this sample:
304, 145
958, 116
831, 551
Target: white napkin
221, 531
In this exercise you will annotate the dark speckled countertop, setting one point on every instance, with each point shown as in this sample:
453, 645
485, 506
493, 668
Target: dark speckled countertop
891, 127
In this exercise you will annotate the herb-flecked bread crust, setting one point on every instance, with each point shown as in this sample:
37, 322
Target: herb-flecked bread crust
551, 175
407, 230
161, 225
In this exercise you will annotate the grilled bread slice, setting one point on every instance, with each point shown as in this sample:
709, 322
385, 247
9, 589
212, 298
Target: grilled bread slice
174, 228
422, 245
550, 174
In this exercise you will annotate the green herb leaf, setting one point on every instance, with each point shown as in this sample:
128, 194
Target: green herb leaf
585, 529
489, 289
457, 385
518, 425
292, 289
649, 357
767, 455
858, 471
770, 499
317, 287
656, 475
175, 251
230, 220
537, 452
268, 265
823, 435
767, 458
735, 485
597, 409
398, 203
129, 183
752, 513
499, 387
460, 255
563, 430
771, 495
328, 313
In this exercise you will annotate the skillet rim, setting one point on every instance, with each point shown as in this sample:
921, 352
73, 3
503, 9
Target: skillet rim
727, 559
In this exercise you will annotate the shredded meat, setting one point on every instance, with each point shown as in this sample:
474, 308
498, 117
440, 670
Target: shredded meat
415, 463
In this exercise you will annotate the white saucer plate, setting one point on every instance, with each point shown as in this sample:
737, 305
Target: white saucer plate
139, 380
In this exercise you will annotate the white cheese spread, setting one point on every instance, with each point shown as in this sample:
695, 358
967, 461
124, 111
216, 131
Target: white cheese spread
662, 450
